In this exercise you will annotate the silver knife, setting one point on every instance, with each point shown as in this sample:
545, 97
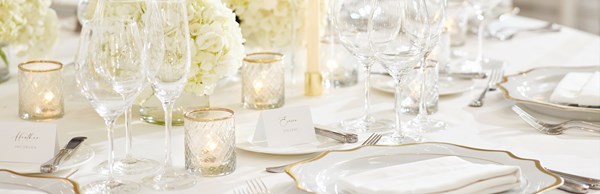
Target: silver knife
53, 164
573, 186
341, 137
592, 182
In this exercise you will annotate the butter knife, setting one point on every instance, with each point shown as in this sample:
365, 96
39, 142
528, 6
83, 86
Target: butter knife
341, 137
573, 186
53, 164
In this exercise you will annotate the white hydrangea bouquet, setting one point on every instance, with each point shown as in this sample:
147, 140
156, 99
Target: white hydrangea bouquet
271, 23
30, 27
217, 44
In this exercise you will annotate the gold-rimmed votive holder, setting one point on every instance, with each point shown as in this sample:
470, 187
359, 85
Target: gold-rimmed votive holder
210, 141
263, 81
40, 90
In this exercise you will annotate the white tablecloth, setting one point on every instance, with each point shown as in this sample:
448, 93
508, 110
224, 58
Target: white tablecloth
493, 126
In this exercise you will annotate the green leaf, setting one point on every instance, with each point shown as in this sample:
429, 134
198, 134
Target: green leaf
3, 56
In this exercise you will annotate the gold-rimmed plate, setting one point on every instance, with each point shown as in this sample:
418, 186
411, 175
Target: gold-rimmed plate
14, 182
533, 88
320, 174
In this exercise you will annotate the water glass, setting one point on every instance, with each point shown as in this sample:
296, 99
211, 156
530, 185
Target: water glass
411, 90
210, 141
40, 90
263, 82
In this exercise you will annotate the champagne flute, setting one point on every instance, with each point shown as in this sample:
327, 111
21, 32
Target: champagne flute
109, 72
433, 13
131, 165
482, 8
168, 83
397, 42
350, 19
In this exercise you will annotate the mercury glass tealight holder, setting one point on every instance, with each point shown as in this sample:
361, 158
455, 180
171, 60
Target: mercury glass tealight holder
40, 90
263, 82
210, 141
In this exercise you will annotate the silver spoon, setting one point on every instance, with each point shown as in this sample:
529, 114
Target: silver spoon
507, 34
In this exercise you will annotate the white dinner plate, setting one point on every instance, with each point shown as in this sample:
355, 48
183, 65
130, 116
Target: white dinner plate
533, 88
446, 85
13, 182
244, 142
83, 155
320, 174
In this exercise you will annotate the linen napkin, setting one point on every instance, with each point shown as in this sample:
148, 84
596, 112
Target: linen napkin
448, 174
578, 88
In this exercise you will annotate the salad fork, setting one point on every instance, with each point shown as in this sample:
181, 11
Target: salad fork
554, 129
495, 77
371, 140
254, 186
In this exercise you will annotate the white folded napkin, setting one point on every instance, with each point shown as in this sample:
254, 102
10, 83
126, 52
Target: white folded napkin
578, 88
448, 174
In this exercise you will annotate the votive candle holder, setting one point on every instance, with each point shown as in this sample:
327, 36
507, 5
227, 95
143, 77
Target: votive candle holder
40, 90
210, 141
263, 81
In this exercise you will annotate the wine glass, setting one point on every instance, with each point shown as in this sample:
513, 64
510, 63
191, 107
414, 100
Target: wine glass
482, 8
109, 72
397, 42
131, 165
168, 83
432, 19
350, 19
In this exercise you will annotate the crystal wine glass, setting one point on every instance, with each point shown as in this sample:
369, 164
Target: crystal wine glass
168, 83
433, 12
397, 42
350, 19
482, 8
109, 72
131, 165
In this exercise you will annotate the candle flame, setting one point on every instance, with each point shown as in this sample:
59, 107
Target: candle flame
48, 96
258, 85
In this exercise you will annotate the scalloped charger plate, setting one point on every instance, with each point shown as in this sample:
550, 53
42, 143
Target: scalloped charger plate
320, 174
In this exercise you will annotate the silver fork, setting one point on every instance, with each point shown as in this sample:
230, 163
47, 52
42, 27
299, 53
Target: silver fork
554, 128
254, 186
371, 140
495, 77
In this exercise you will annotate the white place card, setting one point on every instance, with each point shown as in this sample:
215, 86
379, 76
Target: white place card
27, 142
285, 127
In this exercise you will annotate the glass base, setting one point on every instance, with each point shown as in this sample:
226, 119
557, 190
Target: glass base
425, 124
111, 186
129, 166
170, 179
367, 125
395, 139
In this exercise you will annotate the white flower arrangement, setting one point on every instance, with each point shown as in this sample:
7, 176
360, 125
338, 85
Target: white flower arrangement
30, 27
269, 23
217, 44
216, 40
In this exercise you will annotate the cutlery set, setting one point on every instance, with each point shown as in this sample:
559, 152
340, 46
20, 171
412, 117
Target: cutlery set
53, 164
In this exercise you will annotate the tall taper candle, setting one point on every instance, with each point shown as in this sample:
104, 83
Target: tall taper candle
313, 79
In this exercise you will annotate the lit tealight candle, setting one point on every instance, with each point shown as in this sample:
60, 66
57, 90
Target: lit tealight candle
40, 90
263, 81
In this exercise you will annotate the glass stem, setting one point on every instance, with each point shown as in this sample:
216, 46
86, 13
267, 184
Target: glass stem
168, 108
480, 38
422, 100
367, 93
111, 150
397, 107
128, 139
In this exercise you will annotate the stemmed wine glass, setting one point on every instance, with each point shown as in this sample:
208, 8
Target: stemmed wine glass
130, 165
350, 19
482, 8
397, 41
168, 83
432, 13
109, 72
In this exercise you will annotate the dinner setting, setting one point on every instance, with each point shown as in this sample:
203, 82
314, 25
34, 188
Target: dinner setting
299, 96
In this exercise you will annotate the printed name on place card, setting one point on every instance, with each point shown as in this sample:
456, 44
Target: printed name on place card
27, 142
285, 127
